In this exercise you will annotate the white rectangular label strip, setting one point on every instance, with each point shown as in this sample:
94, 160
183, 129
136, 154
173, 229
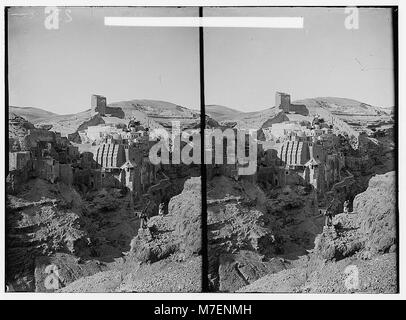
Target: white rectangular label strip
221, 22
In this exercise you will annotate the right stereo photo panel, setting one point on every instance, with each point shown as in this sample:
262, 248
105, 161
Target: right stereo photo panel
300, 151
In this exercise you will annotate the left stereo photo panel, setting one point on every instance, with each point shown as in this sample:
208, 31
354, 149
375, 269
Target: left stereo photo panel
101, 195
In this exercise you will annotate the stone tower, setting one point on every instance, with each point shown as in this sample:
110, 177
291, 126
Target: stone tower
282, 101
98, 104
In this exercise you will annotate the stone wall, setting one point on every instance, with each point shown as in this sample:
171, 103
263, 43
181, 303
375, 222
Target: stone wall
47, 169
18, 160
66, 174
299, 109
98, 104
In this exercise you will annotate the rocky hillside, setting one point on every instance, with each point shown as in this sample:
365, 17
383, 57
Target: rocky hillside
342, 106
353, 115
370, 229
221, 113
152, 113
359, 116
17, 129
255, 231
129, 275
359, 255
377, 275
40, 221
241, 236
178, 232
163, 258
154, 108
65, 124
33, 115
55, 224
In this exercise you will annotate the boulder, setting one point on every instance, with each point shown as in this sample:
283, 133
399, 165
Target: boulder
369, 230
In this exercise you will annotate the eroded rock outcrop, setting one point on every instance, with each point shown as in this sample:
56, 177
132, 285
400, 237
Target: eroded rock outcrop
165, 257
71, 230
357, 255
41, 221
132, 276
60, 269
370, 229
17, 131
241, 238
177, 233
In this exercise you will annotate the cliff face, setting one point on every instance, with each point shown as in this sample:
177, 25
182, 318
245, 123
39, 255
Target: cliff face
18, 130
242, 244
40, 221
178, 233
377, 275
163, 258
358, 255
54, 224
370, 229
375, 210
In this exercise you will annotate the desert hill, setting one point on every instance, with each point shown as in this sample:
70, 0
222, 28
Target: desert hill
363, 245
358, 115
153, 107
155, 114
152, 113
221, 112
32, 114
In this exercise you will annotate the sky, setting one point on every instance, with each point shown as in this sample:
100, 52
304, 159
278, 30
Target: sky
58, 70
244, 67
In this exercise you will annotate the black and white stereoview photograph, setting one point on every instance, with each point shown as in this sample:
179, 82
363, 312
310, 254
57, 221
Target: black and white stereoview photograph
315, 209
201, 149
87, 210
